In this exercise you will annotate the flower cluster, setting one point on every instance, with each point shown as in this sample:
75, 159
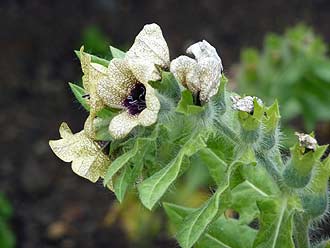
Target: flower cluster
151, 118
123, 86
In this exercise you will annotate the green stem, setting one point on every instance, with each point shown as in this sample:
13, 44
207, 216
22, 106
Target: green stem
228, 132
269, 165
300, 231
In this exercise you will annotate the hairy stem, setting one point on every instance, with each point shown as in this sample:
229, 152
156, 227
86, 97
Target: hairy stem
300, 231
227, 131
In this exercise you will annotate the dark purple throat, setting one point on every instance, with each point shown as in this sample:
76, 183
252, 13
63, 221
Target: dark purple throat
136, 101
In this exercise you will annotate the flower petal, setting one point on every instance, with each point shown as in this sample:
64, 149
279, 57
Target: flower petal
186, 71
306, 140
149, 115
65, 131
93, 74
117, 85
148, 50
202, 74
210, 74
150, 45
210, 67
87, 158
203, 50
122, 124
143, 70
244, 104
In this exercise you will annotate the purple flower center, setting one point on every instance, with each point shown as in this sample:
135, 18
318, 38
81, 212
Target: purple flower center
136, 101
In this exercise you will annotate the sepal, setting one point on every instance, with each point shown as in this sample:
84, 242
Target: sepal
298, 170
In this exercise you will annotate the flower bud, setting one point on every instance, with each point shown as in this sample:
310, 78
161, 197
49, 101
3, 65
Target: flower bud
202, 74
297, 173
315, 198
250, 113
270, 129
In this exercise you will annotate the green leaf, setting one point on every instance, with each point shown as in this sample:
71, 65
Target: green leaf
140, 145
272, 117
168, 86
275, 224
79, 92
257, 185
117, 53
186, 104
227, 233
223, 233
216, 166
196, 223
95, 59
243, 200
258, 179
154, 187
177, 213
121, 183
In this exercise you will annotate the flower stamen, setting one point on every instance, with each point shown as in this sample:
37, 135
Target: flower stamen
136, 102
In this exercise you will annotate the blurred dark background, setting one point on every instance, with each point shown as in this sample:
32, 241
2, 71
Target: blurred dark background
52, 206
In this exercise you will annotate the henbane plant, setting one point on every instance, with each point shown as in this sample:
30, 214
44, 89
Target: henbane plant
151, 119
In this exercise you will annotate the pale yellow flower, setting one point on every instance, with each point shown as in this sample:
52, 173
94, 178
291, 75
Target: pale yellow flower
245, 104
86, 155
126, 83
305, 140
93, 73
202, 74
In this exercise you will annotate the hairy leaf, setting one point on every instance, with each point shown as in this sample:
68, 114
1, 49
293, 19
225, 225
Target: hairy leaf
186, 104
153, 188
275, 224
216, 166
196, 223
121, 183
223, 233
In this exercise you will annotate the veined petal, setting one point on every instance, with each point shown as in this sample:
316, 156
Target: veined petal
86, 155
149, 115
210, 74
210, 67
143, 70
186, 71
306, 140
150, 45
117, 85
203, 50
122, 124
244, 104
202, 74
65, 131
93, 74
